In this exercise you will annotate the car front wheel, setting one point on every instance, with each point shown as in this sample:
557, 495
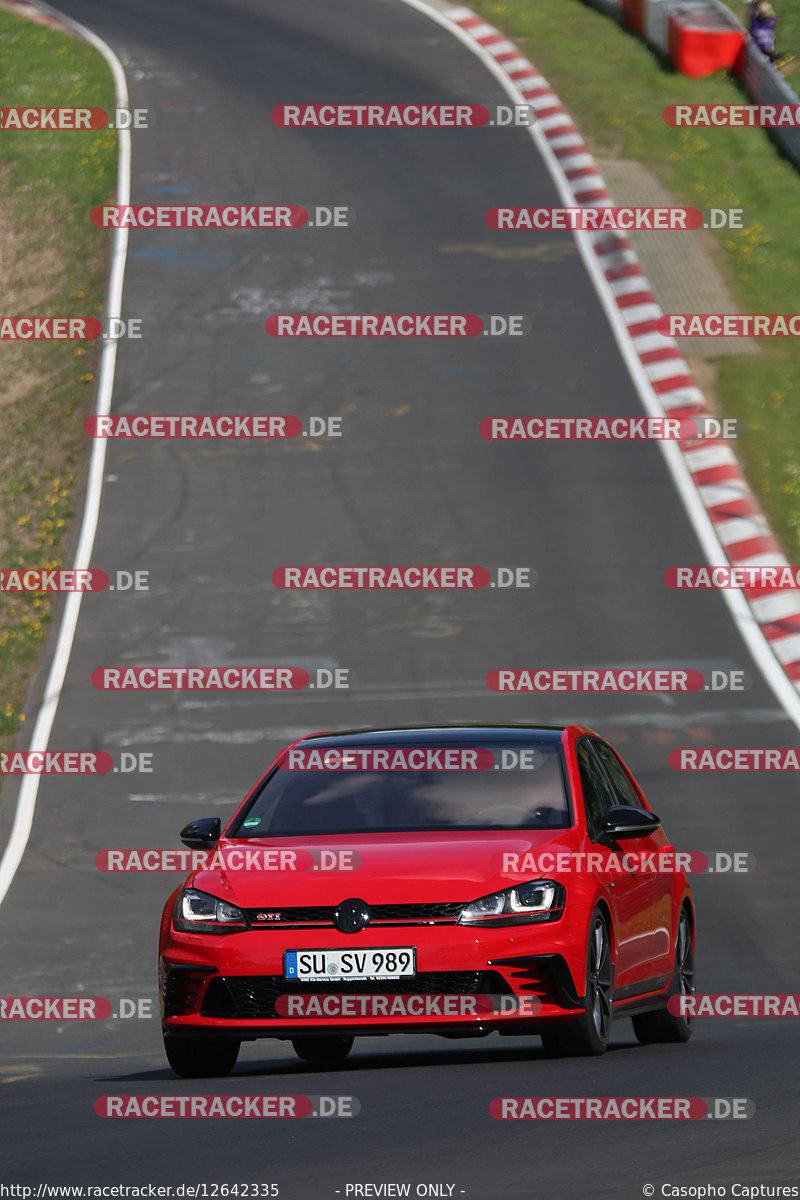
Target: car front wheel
590, 1034
199, 1058
327, 1048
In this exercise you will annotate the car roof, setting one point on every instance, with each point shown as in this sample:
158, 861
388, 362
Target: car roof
441, 734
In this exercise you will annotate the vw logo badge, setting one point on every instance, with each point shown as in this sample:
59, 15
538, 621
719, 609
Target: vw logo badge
351, 916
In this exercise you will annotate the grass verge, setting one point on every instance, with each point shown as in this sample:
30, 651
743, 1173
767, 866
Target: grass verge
52, 263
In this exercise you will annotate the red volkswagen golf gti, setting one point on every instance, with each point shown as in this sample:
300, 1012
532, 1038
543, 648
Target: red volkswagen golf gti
457, 881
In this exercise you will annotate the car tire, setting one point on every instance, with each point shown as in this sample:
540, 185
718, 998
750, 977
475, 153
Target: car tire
589, 1035
199, 1058
327, 1048
662, 1025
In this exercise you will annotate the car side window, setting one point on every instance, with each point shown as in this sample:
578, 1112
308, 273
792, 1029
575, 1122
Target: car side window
598, 796
624, 789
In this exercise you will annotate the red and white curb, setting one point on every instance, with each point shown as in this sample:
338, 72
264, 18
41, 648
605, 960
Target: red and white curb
739, 523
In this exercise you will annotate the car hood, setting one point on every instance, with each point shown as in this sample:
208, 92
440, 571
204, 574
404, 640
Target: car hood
414, 868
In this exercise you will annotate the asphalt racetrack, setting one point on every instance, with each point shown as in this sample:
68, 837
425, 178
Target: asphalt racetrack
409, 481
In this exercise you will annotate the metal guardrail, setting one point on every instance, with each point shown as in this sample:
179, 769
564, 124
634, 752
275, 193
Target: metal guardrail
765, 85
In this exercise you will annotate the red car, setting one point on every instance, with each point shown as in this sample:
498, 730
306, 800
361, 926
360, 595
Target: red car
455, 881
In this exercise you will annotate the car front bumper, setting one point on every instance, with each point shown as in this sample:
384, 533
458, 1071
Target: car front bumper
468, 981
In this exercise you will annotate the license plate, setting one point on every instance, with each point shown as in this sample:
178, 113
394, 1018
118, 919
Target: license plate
394, 962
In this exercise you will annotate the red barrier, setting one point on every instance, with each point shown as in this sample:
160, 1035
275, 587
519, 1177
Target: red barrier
703, 40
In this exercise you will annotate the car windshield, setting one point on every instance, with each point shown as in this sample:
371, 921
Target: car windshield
512, 787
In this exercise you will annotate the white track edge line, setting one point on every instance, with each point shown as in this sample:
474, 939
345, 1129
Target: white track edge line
29, 788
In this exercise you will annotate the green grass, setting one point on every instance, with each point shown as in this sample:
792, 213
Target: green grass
617, 90
54, 265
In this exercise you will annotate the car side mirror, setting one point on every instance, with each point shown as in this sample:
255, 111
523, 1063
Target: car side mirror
622, 821
203, 834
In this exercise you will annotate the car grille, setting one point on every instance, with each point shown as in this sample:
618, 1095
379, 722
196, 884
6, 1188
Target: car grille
380, 914
253, 996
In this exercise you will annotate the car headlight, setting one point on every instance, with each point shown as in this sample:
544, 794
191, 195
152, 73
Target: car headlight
525, 904
199, 912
